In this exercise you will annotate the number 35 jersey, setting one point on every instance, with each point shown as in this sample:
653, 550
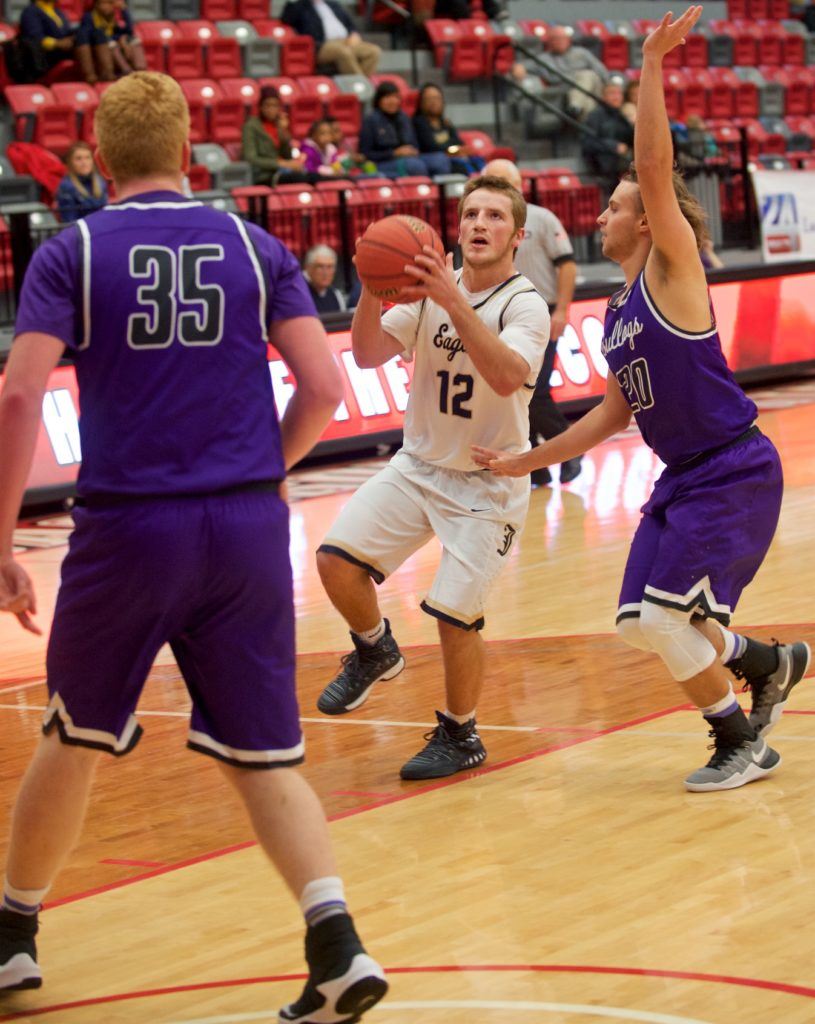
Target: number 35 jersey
451, 406
166, 305
682, 393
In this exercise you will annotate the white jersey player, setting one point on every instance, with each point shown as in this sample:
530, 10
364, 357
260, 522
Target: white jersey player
478, 338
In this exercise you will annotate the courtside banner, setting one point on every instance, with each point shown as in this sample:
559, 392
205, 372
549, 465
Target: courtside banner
786, 203
764, 322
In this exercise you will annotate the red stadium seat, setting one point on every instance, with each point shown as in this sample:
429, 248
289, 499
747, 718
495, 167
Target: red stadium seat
674, 86
694, 54
219, 10
419, 197
496, 48
253, 10
226, 119
223, 59
185, 59
398, 81
200, 93
797, 90
745, 42
793, 50
318, 85
346, 108
303, 111
297, 56
247, 90
26, 103
164, 31
771, 40
198, 28
442, 33
199, 178
84, 100
273, 28
287, 87
779, 10
534, 29
483, 146
55, 128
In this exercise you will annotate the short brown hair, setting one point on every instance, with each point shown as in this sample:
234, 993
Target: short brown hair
691, 208
142, 123
496, 185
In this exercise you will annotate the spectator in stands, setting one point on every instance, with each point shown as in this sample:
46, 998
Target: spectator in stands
106, 44
335, 39
546, 258
630, 100
319, 268
83, 190
267, 144
349, 162
387, 136
458, 9
577, 63
608, 145
46, 37
319, 151
437, 137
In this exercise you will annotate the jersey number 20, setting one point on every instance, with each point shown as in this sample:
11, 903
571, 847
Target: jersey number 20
636, 385
172, 278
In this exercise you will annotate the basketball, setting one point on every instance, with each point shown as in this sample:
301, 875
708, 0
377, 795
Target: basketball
386, 247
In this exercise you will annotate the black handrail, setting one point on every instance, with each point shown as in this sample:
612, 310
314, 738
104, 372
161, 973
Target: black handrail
407, 15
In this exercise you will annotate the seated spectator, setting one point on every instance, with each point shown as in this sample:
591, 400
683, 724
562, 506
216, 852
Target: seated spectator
267, 145
335, 39
46, 37
577, 63
630, 100
437, 138
349, 162
387, 136
320, 152
106, 45
458, 9
83, 189
319, 268
608, 145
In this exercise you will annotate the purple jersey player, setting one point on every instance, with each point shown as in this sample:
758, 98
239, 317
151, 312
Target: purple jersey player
181, 531
709, 522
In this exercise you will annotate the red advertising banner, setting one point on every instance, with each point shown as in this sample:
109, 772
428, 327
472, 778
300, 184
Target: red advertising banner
762, 322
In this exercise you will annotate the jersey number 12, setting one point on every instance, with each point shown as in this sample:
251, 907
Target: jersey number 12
454, 404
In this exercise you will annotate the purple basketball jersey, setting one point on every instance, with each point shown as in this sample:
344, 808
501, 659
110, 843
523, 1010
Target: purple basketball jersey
166, 305
682, 393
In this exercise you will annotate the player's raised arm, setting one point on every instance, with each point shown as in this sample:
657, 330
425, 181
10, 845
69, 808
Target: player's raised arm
674, 243
303, 344
33, 357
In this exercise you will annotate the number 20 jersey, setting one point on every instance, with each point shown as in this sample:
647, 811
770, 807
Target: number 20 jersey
451, 406
682, 393
165, 305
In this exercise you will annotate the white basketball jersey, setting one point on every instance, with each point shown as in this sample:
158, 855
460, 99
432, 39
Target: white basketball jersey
451, 406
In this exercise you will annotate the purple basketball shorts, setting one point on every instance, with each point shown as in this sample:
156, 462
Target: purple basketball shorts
211, 576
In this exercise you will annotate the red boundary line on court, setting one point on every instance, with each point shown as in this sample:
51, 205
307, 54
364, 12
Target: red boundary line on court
383, 801
638, 972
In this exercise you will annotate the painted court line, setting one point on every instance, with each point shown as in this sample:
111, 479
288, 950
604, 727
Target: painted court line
581, 969
408, 793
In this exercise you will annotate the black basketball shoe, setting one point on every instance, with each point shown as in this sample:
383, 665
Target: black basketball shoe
365, 665
343, 981
770, 693
451, 748
18, 951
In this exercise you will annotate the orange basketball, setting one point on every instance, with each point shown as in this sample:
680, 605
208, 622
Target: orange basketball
386, 247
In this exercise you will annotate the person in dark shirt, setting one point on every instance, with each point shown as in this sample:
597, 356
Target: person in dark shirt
106, 44
387, 136
46, 36
608, 148
83, 189
267, 144
319, 268
438, 138
335, 38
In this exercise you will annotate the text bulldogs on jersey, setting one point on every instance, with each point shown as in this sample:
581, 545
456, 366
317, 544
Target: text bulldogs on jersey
625, 331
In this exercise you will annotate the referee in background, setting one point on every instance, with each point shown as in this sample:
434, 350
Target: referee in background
545, 256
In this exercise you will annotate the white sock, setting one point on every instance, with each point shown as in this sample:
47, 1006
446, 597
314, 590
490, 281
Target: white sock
734, 645
373, 636
323, 898
724, 705
23, 901
460, 719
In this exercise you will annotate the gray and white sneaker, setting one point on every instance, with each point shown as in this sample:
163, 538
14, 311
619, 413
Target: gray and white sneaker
771, 692
731, 767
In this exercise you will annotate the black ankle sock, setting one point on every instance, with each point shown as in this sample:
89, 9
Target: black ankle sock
758, 660
732, 730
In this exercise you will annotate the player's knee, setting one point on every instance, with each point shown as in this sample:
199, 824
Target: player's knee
629, 631
683, 649
336, 571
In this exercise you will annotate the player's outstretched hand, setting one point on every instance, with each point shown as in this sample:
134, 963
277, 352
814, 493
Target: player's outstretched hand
17, 595
435, 278
501, 463
669, 34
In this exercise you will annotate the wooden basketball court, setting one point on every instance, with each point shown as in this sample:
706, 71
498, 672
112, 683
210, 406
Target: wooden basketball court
571, 880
